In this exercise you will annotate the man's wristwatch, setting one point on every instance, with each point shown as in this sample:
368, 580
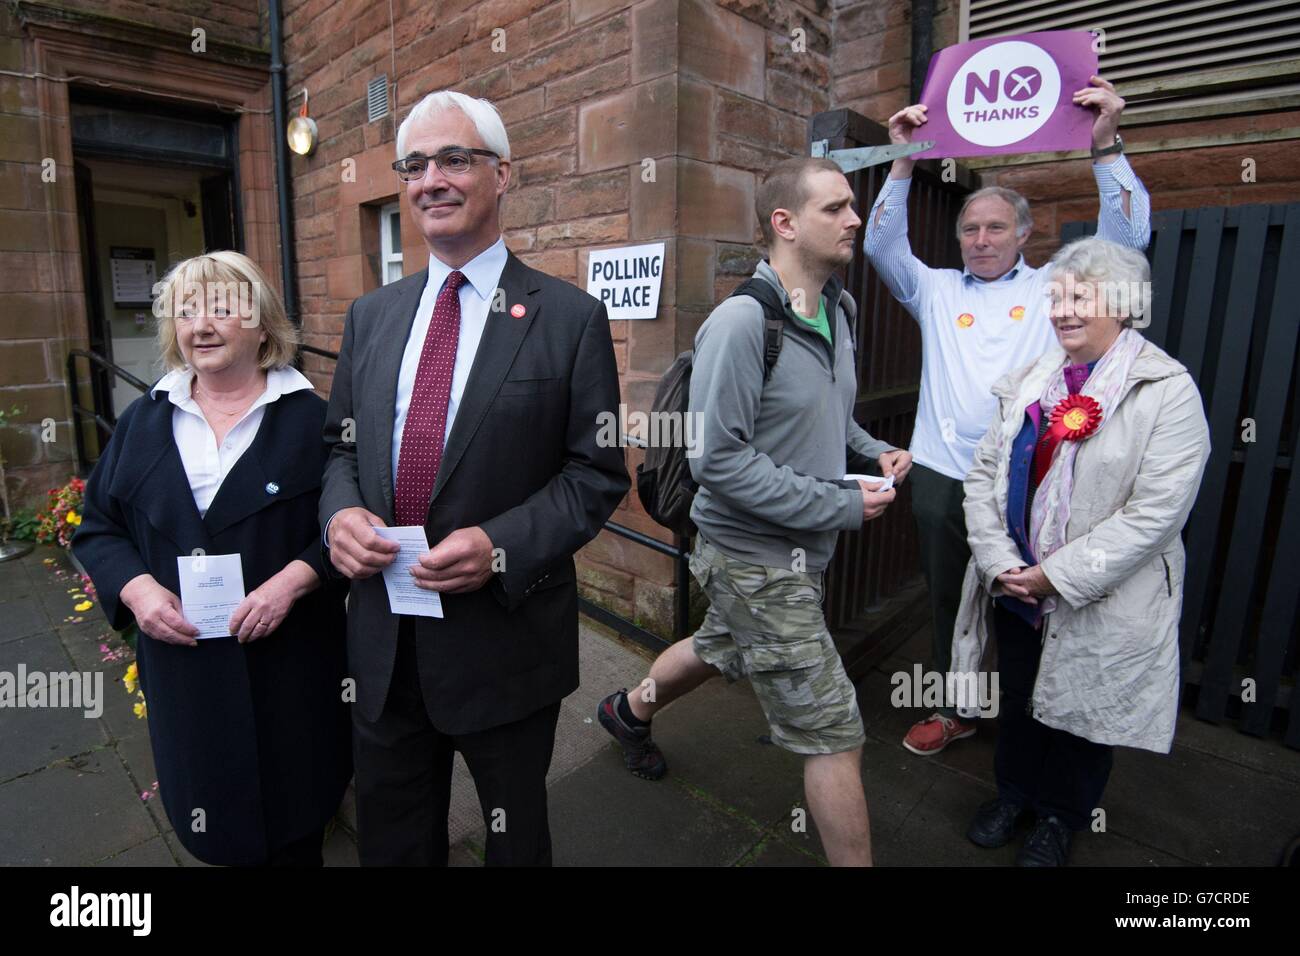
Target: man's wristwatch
1115, 147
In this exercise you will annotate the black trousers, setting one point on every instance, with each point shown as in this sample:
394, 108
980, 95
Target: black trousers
403, 785
941, 533
309, 851
1048, 770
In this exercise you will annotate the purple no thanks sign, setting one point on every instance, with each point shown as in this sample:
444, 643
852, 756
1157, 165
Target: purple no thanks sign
1009, 95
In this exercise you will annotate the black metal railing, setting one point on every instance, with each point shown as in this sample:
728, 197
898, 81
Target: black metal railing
625, 627
79, 411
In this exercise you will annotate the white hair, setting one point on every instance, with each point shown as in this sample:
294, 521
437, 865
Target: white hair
1018, 203
1100, 260
484, 116
1123, 273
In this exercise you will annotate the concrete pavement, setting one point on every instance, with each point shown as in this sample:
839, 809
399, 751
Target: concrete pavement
70, 787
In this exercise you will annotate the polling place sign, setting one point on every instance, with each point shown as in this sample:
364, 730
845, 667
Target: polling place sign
627, 279
1009, 95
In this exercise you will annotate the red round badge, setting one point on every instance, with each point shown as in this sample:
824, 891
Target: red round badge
518, 311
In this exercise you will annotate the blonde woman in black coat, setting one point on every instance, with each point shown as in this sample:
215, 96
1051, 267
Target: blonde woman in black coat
250, 732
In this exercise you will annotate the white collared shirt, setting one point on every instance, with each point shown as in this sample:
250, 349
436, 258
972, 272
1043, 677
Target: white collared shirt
975, 331
483, 275
207, 463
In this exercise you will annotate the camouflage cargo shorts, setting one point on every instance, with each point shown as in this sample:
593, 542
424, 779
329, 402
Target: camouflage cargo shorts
767, 624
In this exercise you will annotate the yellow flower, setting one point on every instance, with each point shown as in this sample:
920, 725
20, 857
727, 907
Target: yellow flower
83, 606
74, 518
132, 678
141, 709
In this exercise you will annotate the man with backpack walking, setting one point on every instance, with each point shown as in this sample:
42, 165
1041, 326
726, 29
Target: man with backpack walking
772, 388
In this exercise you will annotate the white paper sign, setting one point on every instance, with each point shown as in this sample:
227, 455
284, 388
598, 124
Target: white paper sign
212, 587
132, 272
404, 597
627, 279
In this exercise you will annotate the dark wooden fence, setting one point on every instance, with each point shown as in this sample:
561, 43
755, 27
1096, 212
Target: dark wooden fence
1226, 303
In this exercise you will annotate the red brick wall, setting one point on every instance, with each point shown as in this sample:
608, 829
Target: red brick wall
872, 59
42, 303
233, 21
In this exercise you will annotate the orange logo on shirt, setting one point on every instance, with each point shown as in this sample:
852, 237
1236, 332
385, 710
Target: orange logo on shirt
965, 320
1017, 312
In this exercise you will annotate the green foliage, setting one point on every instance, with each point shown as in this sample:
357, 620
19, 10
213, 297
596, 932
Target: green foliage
22, 527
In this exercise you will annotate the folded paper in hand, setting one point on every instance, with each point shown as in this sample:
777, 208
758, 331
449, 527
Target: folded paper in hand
875, 482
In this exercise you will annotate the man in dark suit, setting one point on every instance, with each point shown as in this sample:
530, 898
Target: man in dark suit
465, 400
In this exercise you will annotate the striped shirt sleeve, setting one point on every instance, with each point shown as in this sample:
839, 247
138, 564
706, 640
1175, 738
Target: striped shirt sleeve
888, 248
1133, 230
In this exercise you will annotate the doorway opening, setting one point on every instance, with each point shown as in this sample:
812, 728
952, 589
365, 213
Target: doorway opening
154, 187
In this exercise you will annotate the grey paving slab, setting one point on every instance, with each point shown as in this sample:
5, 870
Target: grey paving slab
934, 833
465, 817
22, 616
153, 852
347, 813
711, 740
795, 836
35, 737
1200, 808
603, 816
55, 595
1111, 849
1225, 741
775, 850
894, 782
72, 814
340, 848
137, 755
465, 854
13, 579
83, 641
119, 707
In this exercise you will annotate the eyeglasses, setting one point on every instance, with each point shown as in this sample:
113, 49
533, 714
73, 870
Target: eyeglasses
453, 160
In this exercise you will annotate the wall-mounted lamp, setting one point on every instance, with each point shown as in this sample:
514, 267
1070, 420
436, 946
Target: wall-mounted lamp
302, 130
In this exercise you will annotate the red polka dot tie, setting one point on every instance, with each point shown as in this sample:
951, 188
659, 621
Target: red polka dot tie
426, 416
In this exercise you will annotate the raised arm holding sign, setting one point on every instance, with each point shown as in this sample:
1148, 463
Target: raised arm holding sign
981, 321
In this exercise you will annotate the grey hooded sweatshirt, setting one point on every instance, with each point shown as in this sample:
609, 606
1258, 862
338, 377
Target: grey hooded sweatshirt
772, 455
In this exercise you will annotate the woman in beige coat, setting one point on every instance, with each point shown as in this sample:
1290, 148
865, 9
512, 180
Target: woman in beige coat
1074, 508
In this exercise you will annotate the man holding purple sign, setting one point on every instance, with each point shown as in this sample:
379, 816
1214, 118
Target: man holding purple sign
991, 317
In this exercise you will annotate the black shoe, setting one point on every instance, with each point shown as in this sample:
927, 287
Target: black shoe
1048, 844
640, 754
994, 824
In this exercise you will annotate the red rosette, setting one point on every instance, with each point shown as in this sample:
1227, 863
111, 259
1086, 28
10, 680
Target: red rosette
1075, 417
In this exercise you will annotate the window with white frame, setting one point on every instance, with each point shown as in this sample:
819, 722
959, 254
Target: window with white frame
390, 242
1170, 59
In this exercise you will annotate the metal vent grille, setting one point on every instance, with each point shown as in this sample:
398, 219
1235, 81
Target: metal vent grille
1170, 56
377, 98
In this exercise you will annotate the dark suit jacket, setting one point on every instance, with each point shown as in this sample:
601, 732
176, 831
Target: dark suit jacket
257, 735
521, 461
